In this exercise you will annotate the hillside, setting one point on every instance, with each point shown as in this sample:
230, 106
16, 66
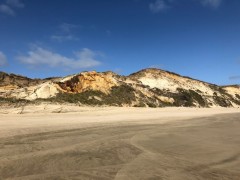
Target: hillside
146, 88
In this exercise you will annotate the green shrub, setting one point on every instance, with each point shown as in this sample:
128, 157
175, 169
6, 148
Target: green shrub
123, 94
152, 105
183, 98
187, 98
118, 95
237, 96
140, 104
12, 100
221, 101
197, 97
84, 97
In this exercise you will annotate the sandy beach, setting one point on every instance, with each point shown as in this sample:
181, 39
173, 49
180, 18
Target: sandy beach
53, 142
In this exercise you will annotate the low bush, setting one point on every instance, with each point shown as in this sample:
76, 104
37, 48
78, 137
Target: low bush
140, 104
12, 100
187, 98
83, 97
237, 96
118, 95
221, 101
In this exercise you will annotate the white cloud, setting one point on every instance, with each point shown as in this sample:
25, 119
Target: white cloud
62, 38
15, 3
158, 6
234, 78
162, 5
67, 27
3, 59
212, 3
8, 7
65, 33
5, 9
85, 58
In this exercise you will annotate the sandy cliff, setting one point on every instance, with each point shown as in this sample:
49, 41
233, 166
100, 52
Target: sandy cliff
148, 87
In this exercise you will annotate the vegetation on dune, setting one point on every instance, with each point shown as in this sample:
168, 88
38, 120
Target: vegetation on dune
225, 98
221, 101
237, 96
183, 98
86, 97
221, 91
130, 93
133, 94
127, 95
197, 97
118, 96
12, 100
140, 104
188, 98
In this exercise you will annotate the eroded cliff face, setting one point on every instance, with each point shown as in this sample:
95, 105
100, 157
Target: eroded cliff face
89, 81
185, 91
148, 87
233, 90
20, 87
43, 91
156, 78
17, 81
233, 93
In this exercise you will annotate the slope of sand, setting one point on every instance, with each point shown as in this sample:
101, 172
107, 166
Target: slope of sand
119, 143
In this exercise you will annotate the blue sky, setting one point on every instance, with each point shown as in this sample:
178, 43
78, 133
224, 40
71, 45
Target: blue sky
196, 38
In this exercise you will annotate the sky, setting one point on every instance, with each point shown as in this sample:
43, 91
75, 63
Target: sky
51, 38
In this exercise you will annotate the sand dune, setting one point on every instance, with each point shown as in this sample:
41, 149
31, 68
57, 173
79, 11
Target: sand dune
120, 143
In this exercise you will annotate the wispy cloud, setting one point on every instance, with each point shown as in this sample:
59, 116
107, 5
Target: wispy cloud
65, 32
62, 38
15, 3
211, 3
85, 58
67, 27
158, 6
3, 59
234, 78
8, 8
5, 9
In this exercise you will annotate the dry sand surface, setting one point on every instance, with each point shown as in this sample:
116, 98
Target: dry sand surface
119, 143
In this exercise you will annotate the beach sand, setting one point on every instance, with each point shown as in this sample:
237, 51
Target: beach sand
53, 142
